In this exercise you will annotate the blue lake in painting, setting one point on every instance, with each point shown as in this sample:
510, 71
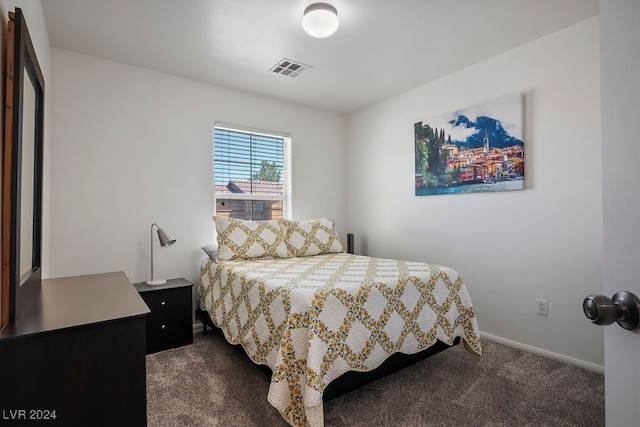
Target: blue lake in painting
473, 188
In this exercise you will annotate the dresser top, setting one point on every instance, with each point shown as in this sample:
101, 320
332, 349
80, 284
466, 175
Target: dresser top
68, 302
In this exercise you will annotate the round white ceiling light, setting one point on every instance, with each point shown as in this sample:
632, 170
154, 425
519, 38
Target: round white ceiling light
320, 20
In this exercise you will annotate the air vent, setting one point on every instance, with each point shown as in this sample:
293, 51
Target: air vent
289, 68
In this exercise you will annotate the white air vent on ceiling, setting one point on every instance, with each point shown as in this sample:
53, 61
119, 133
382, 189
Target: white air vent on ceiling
290, 68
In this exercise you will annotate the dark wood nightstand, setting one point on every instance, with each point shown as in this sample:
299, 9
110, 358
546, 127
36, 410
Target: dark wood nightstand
170, 323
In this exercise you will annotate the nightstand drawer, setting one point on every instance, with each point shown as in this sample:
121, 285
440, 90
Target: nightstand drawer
167, 303
161, 336
170, 323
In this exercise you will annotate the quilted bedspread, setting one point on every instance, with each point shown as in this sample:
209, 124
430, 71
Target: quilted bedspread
312, 319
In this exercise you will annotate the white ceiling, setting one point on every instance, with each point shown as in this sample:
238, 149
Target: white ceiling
382, 48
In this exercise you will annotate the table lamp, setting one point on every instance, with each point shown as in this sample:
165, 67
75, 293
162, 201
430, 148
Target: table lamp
165, 240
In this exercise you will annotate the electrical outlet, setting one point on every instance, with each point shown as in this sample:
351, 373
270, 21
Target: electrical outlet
542, 307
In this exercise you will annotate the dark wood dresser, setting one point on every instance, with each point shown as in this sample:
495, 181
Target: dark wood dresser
76, 355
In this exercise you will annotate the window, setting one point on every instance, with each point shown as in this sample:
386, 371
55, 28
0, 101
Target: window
251, 173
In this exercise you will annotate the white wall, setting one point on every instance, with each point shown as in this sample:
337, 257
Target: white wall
34, 16
513, 247
134, 146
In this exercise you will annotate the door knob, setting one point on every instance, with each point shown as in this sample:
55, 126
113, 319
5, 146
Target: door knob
623, 307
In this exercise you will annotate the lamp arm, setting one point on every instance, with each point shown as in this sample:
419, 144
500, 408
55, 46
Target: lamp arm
152, 248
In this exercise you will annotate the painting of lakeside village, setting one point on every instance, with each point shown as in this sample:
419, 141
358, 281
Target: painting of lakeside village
477, 149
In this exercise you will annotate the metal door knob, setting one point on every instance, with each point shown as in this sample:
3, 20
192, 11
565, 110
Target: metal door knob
623, 308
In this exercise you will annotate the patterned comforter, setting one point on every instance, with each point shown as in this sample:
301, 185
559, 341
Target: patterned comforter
312, 319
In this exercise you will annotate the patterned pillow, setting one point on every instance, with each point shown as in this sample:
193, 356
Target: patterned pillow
240, 239
313, 237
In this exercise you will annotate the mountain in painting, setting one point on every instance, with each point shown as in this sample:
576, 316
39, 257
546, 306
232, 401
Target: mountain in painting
486, 127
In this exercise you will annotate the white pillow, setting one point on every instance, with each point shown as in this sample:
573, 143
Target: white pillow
241, 239
211, 250
312, 237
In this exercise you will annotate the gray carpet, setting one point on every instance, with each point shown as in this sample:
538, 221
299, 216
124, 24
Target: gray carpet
210, 383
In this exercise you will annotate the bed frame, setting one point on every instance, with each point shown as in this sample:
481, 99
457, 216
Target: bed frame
351, 380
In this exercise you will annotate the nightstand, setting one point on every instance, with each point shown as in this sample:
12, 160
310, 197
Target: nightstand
170, 323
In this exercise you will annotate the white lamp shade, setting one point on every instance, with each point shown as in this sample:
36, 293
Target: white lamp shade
320, 20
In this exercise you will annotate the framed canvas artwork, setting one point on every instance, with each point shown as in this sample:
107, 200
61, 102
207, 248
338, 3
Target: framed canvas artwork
477, 149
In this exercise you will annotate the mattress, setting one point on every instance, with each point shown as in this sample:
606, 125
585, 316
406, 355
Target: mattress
311, 319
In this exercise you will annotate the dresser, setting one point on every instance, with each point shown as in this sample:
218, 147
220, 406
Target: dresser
170, 323
76, 355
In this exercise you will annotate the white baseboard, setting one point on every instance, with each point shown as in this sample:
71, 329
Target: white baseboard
197, 327
542, 352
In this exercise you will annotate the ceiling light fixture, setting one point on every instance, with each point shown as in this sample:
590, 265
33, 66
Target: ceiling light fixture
320, 20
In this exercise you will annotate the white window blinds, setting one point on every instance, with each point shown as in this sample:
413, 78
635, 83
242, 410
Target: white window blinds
251, 167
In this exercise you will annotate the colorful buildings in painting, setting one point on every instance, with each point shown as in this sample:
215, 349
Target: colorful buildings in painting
484, 164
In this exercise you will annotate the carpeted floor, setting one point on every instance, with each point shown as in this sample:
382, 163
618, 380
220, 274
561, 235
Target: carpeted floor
210, 383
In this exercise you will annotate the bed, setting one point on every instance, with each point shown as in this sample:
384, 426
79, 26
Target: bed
298, 304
